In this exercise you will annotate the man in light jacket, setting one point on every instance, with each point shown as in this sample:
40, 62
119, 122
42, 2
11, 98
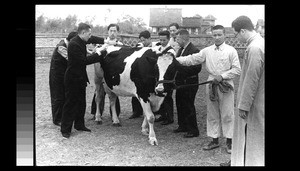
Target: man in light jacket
222, 64
249, 124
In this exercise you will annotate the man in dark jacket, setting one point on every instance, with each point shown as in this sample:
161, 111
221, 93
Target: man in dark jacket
58, 67
185, 97
76, 79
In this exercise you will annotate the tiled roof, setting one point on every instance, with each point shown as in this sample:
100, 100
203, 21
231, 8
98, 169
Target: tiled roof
191, 22
210, 17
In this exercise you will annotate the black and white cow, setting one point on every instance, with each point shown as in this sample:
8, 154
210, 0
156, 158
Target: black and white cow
134, 72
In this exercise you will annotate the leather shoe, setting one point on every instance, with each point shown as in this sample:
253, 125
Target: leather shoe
83, 129
134, 115
159, 119
228, 149
226, 164
167, 122
66, 135
179, 130
190, 135
211, 145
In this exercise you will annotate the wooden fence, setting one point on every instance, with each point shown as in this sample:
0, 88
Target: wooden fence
45, 43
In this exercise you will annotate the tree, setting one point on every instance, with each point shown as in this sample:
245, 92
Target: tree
131, 25
69, 24
54, 25
39, 23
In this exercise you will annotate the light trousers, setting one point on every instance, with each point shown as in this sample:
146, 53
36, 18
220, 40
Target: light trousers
220, 114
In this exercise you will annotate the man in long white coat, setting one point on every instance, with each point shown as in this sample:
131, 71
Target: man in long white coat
248, 147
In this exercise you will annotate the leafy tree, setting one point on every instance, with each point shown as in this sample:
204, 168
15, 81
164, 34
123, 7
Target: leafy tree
40, 23
131, 25
69, 24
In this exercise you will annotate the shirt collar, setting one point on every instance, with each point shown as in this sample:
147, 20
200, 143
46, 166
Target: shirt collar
186, 45
220, 47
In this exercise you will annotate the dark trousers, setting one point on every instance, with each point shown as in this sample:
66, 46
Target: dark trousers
136, 107
57, 94
167, 107
185, 98
74, 107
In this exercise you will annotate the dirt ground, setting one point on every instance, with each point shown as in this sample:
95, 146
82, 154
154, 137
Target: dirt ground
118, 146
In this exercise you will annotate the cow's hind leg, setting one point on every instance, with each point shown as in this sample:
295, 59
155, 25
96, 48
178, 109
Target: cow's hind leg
150, 119
112, 101
99, 99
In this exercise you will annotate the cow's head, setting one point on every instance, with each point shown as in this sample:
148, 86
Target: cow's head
166, 73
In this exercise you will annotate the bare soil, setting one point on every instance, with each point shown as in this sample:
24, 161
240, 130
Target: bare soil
118, 146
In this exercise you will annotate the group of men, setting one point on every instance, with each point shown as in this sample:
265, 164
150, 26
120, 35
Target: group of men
244, 131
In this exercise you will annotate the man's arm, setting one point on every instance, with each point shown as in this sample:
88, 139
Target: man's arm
95, 40
253, 70
74, 51
193, 59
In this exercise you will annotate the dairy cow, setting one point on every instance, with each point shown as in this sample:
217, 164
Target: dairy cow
134, 72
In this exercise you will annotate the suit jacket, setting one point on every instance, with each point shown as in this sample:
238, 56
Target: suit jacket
78, 59
188, 71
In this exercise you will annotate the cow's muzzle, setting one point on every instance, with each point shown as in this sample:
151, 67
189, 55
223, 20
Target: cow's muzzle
159, 88
160, 92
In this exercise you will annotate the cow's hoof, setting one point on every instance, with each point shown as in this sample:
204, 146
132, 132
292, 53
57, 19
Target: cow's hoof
153, 141
116, 124
145, 132
99, 122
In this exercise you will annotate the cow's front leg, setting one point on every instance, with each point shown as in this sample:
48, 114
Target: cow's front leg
112, 101
99, 99
145, 129
150, 119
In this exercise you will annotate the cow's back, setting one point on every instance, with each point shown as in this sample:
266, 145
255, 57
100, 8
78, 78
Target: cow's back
130, 71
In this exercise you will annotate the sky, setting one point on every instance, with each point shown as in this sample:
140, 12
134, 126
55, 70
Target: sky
106, 14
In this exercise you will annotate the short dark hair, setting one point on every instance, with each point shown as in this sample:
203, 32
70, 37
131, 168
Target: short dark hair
82, 26
174, 24
242, 22
183, 32
164, 33
218, 27
71, 35
113, 25
145, 34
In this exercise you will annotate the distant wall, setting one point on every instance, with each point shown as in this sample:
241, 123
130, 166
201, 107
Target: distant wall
45, 42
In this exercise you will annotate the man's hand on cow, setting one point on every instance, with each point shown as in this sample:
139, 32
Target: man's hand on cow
243, 114
111, 42
102, 48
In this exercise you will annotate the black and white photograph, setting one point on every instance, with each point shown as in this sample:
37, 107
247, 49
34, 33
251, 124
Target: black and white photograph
149, 85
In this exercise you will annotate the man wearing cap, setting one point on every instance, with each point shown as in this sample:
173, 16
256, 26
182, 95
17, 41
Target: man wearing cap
58, 67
